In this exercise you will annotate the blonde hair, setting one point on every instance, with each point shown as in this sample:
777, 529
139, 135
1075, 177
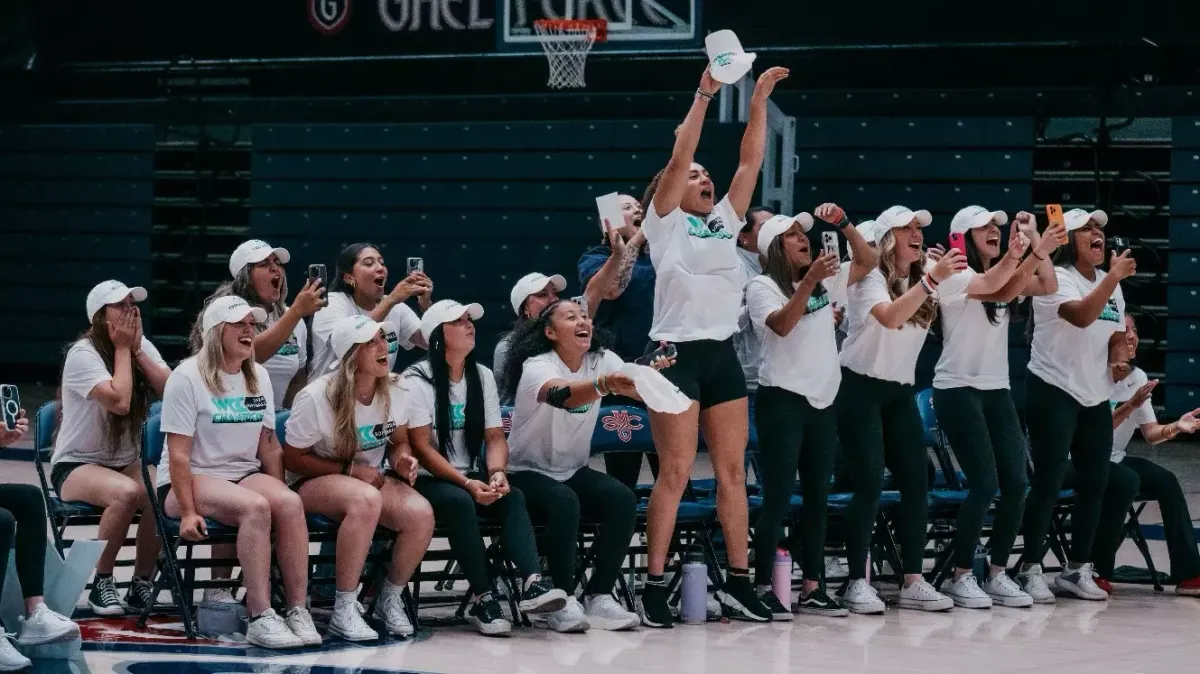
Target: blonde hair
211, 356
895, 278
340, 394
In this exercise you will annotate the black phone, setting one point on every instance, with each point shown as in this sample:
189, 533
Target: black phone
664, 351
10, 405
317, 271
416, 264
1119, 244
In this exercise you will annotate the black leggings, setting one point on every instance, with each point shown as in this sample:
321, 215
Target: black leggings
459, 514
23, 513
1060, 427
559, 505
792, 433
985, 435
879, 425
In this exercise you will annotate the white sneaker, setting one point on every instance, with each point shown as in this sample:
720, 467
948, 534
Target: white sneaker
605, 613
922, 596
833, 569
46, 627
347, 622
861, 598
300, 622
10, 659
219, 595
270, 631
1033, 582
391, 610
569, 618
1005, 592
1080, 583
965, 592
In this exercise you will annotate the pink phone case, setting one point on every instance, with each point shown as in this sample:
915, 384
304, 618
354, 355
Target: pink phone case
958, 242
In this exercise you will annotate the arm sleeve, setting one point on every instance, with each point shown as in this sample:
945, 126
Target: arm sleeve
301, 333
761, 302
264, 383
1046, 306
152, 351
420, 403
83, 370
491, 400
303, 427
534, 376
955, 286
398, 414
1119, 296
179, 410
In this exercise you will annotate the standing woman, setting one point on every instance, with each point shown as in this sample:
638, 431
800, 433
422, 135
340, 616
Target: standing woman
110, 376
359, 289
342, 427
888, 317
23, 529
282, 345
697, 297
558, 375
1076, 339
971, 391
454, 411
791, 311
223, 461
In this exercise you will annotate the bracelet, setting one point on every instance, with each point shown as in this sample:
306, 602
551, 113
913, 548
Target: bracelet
844, 222
1040, 257
933, 283
496, 470
596, 385
602, 385
925, 285
704, 94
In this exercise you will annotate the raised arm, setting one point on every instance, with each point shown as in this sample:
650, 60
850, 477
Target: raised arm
895, 314
1083, 312
687, 137
865, 257
754, 143
307, 302
1000, 274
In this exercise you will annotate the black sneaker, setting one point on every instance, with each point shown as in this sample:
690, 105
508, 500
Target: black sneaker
103, 598
140, 594
741, 602
779, 612
487, 617
542, 597
655, 612
819, 603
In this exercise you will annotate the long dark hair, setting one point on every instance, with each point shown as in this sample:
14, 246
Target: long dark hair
439, 377
975, 262
779, 269
117, 428
528, 340
345, 265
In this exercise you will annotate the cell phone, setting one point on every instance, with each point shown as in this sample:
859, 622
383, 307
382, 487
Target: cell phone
317, 271
958, 241
830, 245
664, 351
1054, 215
10, 405
416, 264
1118, 244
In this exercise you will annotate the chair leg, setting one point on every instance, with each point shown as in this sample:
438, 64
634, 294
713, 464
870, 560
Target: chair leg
1133, 529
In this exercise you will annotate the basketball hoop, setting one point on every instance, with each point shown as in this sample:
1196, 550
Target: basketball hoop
567, 43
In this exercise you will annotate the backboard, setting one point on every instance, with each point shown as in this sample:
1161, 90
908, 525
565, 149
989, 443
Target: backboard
642, 25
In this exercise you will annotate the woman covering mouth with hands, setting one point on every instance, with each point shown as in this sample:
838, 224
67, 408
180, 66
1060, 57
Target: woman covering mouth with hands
971, 389
360, 289
1076, 339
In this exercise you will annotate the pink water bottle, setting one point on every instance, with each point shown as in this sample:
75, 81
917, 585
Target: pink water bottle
781, 578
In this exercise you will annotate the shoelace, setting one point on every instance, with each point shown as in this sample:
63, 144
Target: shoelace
107, 591
144, 591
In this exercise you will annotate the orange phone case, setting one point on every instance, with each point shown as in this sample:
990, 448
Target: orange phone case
1054, 214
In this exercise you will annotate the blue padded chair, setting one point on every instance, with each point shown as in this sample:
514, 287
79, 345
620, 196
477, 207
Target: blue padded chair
61, 513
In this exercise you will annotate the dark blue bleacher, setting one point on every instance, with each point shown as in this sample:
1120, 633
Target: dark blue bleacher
1183, 263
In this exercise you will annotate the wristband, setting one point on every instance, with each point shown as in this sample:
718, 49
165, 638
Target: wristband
496, 470
704, 94
929, 279
925, 285
596, 385
844, 222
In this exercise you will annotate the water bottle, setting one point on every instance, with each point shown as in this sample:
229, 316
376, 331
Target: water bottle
979, 565
781, 578
694, 590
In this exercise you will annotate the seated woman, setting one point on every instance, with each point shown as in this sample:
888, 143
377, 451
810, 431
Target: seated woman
558, 374
111, 374
23, 528
341, 428
453, 411
223, 461
1129, 476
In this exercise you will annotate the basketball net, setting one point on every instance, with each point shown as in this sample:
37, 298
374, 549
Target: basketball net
567, 43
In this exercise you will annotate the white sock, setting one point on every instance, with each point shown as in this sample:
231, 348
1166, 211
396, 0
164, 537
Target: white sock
390, 589
344, 599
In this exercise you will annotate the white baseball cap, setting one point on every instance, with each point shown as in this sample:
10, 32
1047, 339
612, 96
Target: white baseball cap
900, 216
1077, 218
351, 330
447, 311
778, 224
728, 62
531, 284
111, 292
976, 216
253, 252
230, 309
867, 229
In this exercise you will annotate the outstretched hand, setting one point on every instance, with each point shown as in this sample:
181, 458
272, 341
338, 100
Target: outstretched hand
767, 81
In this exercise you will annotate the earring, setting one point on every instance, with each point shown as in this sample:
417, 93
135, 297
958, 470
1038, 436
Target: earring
351, 284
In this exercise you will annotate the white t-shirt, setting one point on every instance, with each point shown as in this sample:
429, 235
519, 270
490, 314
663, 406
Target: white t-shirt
1144, 414
81, 435
806, 361
871, 349
974, 352
698, 290
548, 440
422, 410
341, 305
1075, 359
224, 427
287, 361
840, 283
311, 423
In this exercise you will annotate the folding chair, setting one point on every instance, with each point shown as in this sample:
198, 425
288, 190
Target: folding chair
62, 514
947, 495
1133, 530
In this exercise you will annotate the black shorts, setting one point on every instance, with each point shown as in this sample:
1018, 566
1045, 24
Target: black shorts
60, 471
707, 371
166, 489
